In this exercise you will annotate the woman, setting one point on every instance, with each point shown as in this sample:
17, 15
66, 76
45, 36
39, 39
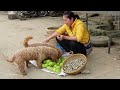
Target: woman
72, 35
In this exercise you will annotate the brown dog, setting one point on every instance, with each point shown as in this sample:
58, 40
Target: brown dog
25, 43
39, 54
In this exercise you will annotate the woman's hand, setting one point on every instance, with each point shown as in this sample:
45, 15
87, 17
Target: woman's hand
60, 37
46, 40
51, 37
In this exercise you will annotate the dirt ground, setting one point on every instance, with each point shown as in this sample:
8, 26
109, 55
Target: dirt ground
12, 32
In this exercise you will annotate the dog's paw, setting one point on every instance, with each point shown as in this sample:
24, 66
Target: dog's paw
24, 73
40, 67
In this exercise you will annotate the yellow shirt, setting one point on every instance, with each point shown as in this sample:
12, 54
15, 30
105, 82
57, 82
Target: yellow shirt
78, 29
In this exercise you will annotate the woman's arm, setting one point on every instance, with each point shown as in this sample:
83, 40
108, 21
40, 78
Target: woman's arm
58, 32
61, 37
51, 37
70, 38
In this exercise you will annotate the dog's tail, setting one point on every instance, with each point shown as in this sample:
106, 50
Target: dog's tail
11, 59
25, 42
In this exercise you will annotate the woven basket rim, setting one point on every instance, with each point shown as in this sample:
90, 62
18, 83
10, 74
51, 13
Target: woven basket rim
70, 59
52, 27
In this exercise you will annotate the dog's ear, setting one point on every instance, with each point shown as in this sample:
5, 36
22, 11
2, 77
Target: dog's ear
29, 37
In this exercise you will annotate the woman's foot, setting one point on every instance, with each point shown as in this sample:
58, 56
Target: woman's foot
71, 52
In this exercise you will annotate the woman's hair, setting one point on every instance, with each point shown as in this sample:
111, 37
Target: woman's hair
70, 15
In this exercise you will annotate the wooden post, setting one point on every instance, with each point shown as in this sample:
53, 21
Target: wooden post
109, 44
100, 21
118, 23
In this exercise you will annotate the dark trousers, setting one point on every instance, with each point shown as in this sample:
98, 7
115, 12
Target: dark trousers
74, 46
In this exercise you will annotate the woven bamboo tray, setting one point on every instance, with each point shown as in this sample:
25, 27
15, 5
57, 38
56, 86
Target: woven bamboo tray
74, 64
